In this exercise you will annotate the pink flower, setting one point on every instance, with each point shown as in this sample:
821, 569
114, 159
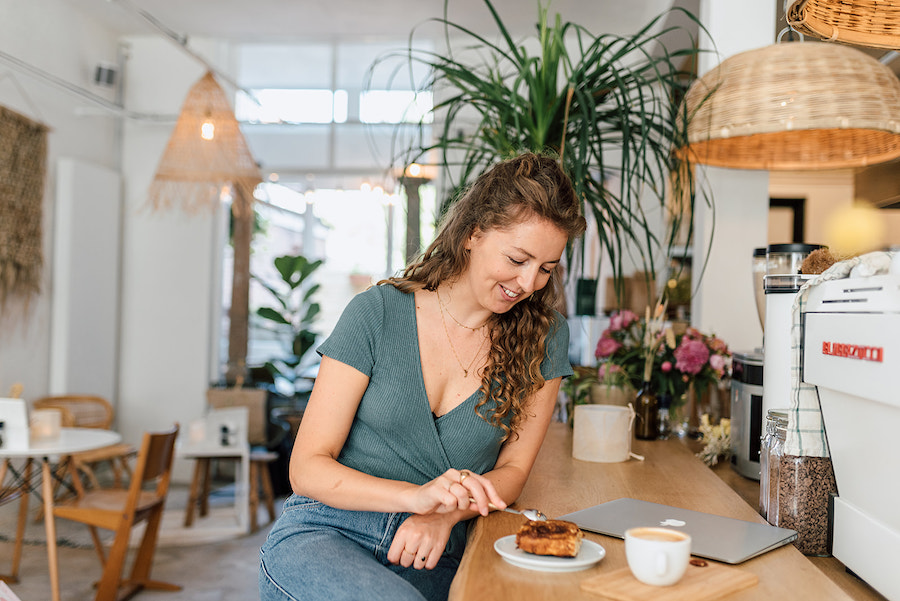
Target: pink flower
666, 366
606, 347
717, 362
690, 356
608, 369
621, 320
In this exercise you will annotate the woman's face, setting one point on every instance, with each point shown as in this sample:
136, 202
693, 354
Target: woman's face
507, 265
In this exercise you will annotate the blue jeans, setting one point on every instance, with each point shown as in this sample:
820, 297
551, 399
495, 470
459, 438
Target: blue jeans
315, 552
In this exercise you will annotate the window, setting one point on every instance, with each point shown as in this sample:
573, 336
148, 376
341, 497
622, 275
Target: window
293, 106
395, 106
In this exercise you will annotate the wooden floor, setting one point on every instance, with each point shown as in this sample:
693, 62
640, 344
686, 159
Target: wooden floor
748, 489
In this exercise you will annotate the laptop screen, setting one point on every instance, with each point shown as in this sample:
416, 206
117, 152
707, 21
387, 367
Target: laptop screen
712, 536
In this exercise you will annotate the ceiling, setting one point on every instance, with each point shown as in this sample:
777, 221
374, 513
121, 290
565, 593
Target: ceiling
295, 20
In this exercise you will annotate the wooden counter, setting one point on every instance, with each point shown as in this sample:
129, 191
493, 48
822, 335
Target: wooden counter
670, 474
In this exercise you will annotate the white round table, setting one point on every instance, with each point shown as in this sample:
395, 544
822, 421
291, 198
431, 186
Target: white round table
70, 440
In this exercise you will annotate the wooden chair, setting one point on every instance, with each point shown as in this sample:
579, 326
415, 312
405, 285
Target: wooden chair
89, 411
120, 510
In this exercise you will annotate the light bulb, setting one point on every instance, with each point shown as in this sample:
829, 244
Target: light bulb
208, 130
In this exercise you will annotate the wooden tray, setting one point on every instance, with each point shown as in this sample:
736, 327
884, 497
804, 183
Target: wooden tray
706, 583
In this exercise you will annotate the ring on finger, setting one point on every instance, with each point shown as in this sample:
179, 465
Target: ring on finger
463, 475
410, 552
423, 559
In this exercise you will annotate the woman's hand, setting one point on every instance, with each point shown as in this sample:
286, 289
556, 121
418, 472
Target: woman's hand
455, 490
420, 541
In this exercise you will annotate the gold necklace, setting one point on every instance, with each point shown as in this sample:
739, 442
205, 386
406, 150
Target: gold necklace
453, 348
460, 324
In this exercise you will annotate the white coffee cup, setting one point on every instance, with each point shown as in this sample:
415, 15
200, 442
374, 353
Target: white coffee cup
657, 556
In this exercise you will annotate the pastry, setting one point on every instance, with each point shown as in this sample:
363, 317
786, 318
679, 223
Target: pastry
550, 537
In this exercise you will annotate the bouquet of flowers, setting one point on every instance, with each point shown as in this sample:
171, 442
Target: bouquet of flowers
633, 350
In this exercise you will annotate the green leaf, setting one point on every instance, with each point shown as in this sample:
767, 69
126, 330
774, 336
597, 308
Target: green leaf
272, 315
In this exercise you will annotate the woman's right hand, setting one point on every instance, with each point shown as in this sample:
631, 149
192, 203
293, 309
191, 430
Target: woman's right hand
456, 490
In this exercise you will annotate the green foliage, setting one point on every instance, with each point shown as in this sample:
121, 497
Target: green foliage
577, 387
606, 104
294, 312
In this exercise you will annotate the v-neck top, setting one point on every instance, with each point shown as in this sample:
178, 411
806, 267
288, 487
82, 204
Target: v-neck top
394, 434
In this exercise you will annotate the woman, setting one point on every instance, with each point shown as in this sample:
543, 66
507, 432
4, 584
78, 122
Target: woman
433, 397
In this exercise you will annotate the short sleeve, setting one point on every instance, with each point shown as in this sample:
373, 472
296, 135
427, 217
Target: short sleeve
556, 352
355, 339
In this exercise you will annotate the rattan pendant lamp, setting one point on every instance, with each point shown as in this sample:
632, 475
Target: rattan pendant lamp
794, 106
206, 153
870, 23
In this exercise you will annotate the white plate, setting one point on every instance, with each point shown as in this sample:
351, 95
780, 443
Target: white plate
589, 554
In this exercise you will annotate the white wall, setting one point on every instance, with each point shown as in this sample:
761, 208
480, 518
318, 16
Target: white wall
169, 261
51, 36
724, 303
171, 279
84, 339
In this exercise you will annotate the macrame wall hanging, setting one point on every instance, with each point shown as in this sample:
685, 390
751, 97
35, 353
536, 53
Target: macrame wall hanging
23, 162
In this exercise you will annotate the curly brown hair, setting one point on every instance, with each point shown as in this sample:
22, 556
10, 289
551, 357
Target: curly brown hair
509, 193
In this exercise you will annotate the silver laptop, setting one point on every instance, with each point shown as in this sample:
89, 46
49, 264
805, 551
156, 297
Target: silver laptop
712, 536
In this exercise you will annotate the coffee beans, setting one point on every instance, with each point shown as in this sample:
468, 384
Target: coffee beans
805, 485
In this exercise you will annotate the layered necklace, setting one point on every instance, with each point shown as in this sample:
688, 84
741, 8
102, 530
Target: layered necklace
444, 309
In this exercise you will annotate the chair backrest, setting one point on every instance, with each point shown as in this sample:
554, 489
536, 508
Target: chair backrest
254, 399
86, 411
153, 465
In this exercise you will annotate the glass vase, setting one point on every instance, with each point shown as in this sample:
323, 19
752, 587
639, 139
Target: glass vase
679, 416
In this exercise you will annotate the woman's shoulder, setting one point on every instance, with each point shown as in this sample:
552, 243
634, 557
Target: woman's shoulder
558, 322
376, 298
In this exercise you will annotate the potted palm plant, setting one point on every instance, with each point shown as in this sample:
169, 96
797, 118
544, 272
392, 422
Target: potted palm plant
605, 104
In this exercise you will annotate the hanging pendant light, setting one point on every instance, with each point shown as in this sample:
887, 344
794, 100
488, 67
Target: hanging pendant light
206, 154
870, 23
794, 106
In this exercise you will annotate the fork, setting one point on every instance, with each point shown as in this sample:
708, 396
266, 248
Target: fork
532, 514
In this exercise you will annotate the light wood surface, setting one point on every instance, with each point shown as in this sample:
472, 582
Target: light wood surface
670, 474
700, 583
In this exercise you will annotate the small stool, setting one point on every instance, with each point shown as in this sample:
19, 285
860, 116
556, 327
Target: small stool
260, 478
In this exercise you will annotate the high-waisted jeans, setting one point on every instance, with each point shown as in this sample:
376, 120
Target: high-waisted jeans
316, 552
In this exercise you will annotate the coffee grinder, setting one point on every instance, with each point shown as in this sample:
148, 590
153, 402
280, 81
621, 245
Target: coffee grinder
761, 379
747, 387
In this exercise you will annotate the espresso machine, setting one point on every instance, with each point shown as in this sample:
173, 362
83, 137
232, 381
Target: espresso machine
851, 353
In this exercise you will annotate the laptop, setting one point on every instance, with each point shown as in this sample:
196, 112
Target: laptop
728, 540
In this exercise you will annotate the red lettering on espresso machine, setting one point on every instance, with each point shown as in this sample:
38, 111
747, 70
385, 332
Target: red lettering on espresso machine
853, 351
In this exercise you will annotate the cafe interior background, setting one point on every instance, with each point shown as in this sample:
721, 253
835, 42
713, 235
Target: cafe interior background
133, 299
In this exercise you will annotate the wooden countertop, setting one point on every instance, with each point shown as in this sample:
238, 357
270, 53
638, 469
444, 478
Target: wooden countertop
670, 474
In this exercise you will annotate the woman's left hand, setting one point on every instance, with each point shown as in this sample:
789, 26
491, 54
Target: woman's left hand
420, 540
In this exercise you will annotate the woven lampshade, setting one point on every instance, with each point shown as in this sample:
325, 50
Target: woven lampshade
794, 106
193, 171
871, 23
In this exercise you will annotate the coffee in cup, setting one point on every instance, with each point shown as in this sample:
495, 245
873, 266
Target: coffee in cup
657, 556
